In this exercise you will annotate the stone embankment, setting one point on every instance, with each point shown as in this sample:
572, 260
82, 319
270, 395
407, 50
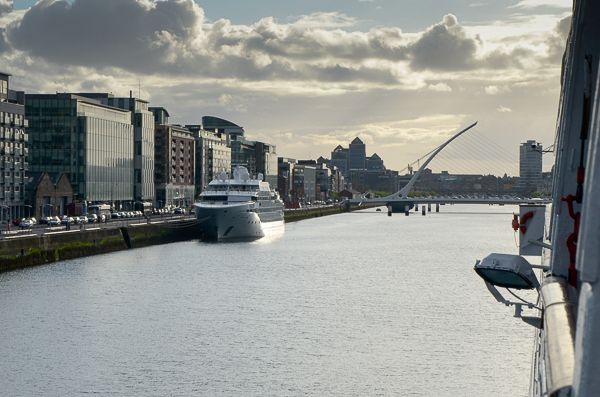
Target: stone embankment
31, 250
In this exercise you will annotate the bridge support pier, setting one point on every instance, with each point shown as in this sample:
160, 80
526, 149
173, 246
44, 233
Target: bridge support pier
437, 207
389, 210
416, 207
423, 210
428, 207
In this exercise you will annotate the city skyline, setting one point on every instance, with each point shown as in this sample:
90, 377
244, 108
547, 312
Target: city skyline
312, 76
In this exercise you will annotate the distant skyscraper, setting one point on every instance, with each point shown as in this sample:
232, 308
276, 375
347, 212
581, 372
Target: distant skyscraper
357, 159
530, 166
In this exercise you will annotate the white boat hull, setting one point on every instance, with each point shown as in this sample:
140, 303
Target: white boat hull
234, 222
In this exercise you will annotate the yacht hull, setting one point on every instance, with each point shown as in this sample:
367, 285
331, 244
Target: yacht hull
234, 222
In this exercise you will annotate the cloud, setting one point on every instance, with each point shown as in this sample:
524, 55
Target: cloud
439, 87
325, 20
494, 89
503, 109
541, 3
444, 46
174, 38
6, 7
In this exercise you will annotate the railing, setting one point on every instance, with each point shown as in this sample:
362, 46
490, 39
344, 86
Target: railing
560, 313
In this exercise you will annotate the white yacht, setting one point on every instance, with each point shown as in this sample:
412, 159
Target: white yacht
243, 207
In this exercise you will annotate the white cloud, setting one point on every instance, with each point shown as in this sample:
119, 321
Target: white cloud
494, 89
439, 87
503, 109
540, 3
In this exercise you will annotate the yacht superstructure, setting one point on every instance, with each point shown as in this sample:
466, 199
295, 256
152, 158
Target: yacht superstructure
242, 207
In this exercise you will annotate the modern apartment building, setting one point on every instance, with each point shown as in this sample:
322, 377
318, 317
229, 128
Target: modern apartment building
174, 162
213, 156
142, 120
530, 166
90, 142
13, 151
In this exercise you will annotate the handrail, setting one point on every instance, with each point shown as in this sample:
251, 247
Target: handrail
560, 312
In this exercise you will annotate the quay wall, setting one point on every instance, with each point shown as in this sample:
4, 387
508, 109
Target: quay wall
31, 250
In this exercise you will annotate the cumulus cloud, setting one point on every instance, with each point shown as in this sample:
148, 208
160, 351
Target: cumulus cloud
6, 7
439, 87
174, 38
444, 46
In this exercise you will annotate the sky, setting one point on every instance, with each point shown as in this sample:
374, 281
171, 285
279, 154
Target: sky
307, 76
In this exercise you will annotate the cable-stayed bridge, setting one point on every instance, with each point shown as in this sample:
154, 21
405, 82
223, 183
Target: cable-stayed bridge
400, 202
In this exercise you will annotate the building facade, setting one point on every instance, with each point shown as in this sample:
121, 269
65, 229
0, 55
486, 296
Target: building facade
142, 120
530, 166
213, 156
357, 155
90, 142
48, 194
13, 151
174, 162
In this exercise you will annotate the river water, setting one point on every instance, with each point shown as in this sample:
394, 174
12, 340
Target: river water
356, 304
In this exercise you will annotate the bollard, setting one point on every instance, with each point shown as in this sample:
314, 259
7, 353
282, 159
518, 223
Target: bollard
429, 207
423, 210
437, 208
416, 207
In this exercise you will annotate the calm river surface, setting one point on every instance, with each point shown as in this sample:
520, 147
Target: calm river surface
356, 304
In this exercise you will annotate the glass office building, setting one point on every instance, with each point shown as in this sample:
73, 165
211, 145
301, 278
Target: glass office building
90, 142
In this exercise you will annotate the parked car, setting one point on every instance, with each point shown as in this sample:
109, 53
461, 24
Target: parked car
44, 220
179, 211
115, 215
17, 221
25, 223
66, 220
83, 219
33, 221
53, 221
92, 218
193, 211
76, 219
